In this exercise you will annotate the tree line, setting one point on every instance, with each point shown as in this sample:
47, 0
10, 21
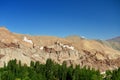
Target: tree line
52, 71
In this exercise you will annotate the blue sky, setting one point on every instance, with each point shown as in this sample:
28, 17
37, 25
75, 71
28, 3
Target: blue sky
94, 19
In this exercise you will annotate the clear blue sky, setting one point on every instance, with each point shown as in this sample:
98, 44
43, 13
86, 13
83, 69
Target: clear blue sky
95, 19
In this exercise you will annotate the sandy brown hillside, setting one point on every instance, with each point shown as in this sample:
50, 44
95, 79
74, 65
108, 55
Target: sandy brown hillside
6, 36
72, 50
93, 46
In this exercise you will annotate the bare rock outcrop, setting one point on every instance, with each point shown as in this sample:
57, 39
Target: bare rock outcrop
75, 51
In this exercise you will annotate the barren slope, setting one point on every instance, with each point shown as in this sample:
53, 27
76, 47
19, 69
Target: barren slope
72, 50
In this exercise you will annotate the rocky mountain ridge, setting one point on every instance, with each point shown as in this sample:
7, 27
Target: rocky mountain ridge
114, 43
76, 51
116, 39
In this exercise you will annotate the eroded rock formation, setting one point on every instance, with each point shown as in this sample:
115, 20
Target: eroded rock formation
76, 51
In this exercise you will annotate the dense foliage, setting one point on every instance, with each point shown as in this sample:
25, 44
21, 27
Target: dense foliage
113, 75
52, 71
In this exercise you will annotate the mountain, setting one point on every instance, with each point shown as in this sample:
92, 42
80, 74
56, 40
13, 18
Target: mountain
115, 43
116, 39
72, 50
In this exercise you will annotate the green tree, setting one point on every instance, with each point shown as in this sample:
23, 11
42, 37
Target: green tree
49, 69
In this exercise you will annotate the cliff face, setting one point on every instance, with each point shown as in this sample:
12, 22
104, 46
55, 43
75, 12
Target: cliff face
76, 51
